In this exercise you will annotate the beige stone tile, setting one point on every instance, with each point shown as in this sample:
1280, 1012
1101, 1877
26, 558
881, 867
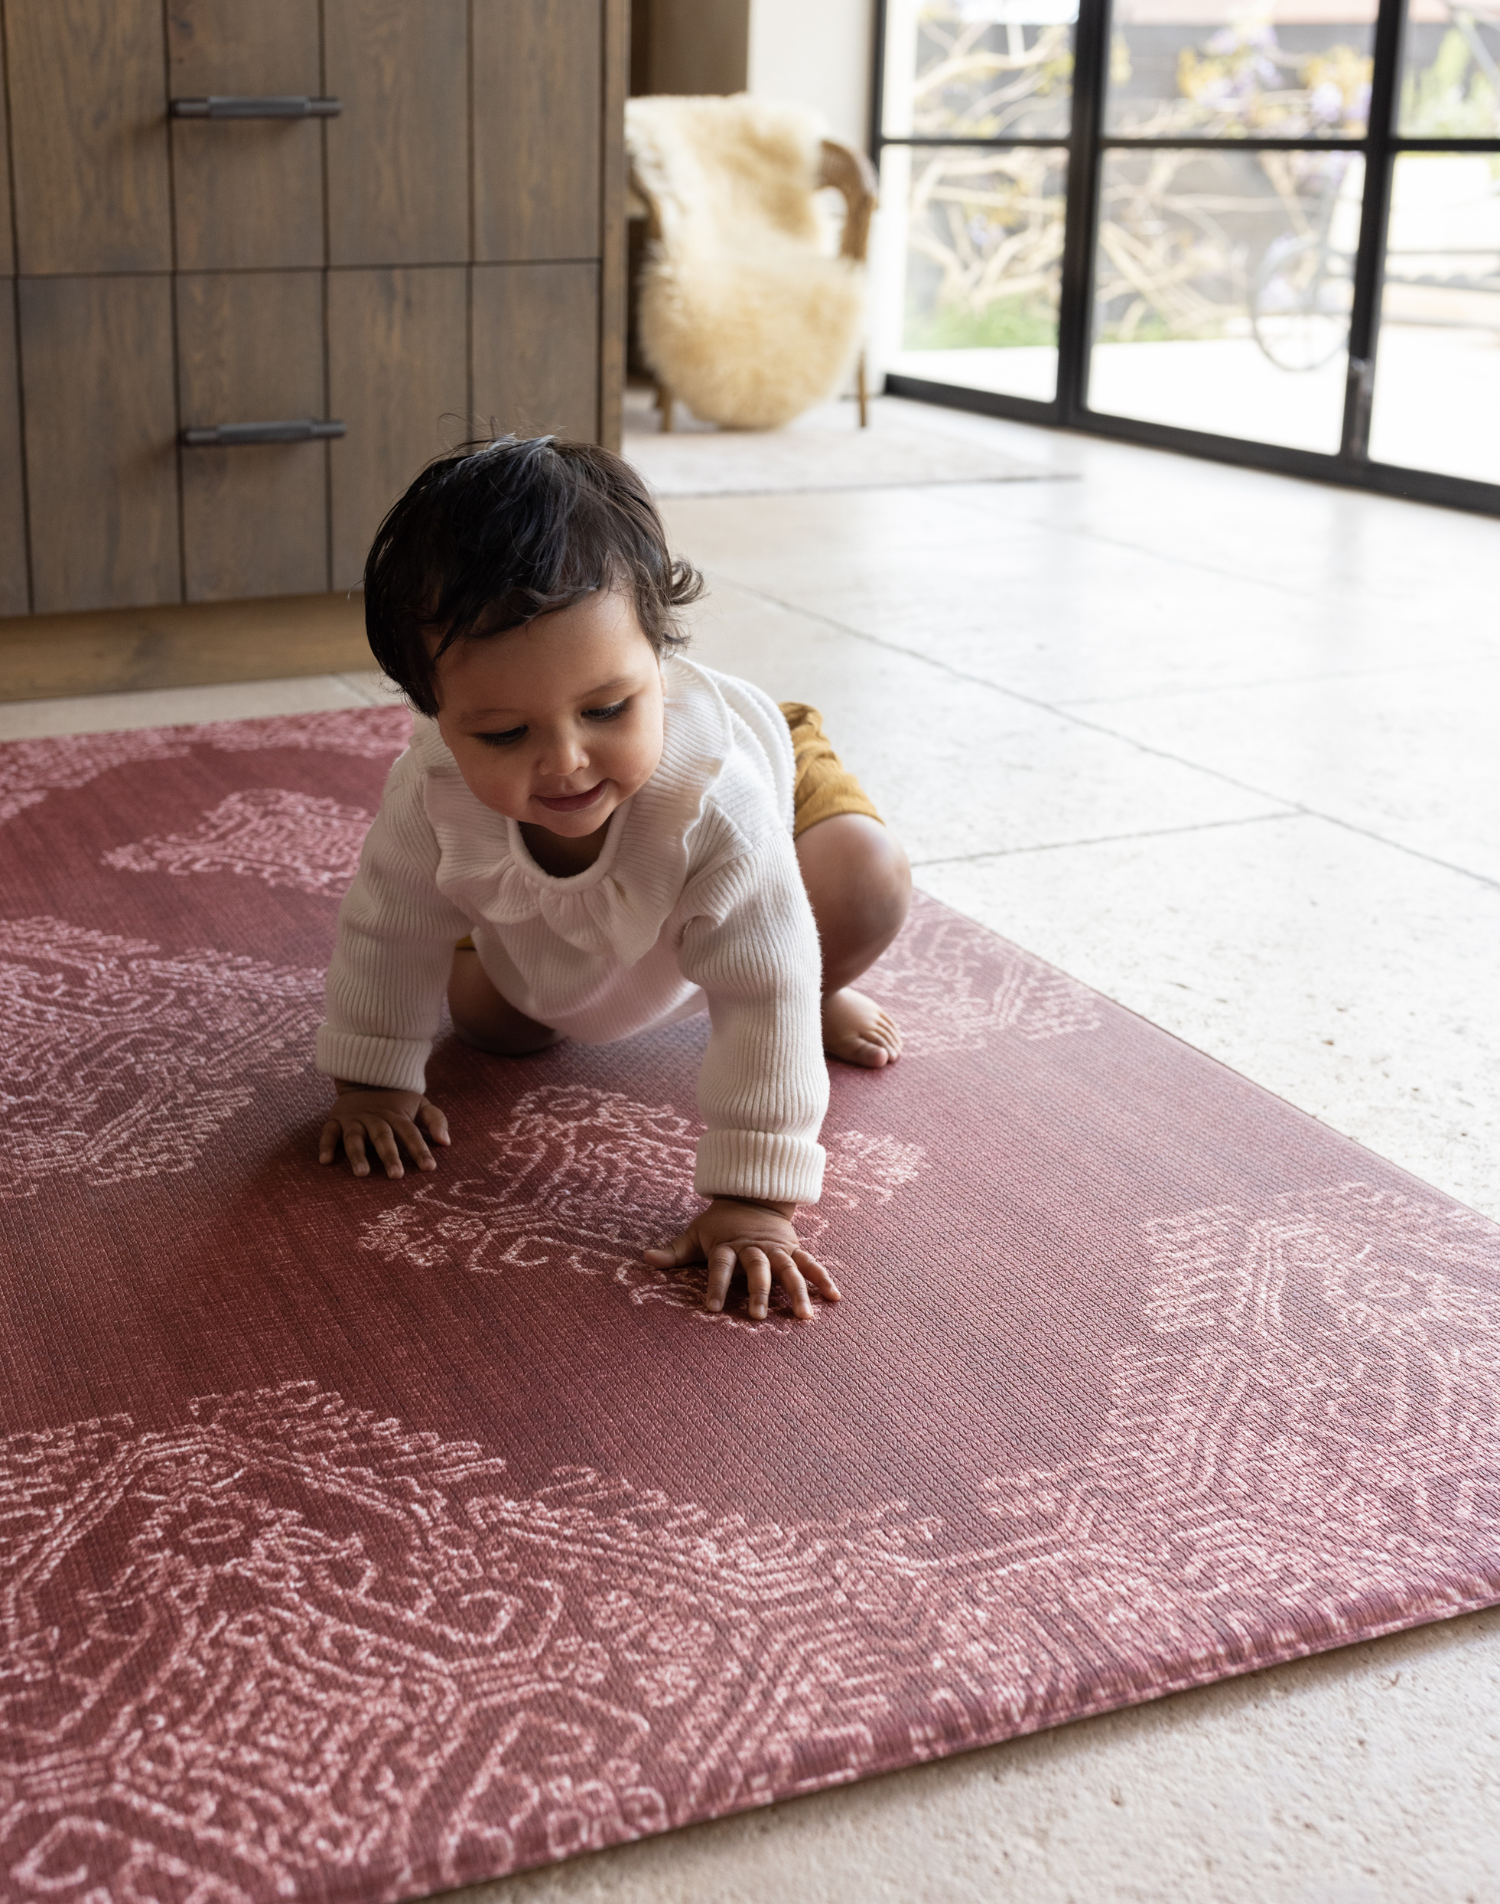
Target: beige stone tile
167, 707
1409, 756
955, 767
1352, 979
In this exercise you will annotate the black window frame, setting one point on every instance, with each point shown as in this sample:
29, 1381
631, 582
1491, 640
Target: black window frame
1086, 144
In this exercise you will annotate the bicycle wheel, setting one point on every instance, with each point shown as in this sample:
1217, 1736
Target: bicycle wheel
1299, 310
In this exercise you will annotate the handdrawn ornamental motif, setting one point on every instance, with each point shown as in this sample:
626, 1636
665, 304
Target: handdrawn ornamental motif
286, 839
286, 1647
585, 1180
953, 986
119, 1060
31, 769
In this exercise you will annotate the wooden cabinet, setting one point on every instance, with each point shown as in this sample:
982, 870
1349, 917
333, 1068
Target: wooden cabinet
437, 256
100, 441
398, 361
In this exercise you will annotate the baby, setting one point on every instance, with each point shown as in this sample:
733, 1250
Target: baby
590, 836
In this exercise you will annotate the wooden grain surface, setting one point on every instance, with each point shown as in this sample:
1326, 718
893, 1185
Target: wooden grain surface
249, 194
100, 435
536, 348
398, 154
88, 102
538, 70
612, 177
180, 645
250, 349
7, 245
399, 377
15, 589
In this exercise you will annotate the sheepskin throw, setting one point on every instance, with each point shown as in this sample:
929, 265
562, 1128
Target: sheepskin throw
742, 315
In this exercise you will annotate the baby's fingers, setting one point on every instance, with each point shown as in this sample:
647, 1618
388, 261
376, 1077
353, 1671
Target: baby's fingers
788, 1275
815, 1273
720, 1275
328, 1140
384, 1140
758, 1276
682, 1249
407, 1131
354, 1149
433, 1121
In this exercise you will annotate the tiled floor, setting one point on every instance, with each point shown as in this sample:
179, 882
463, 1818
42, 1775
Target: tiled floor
1223, 746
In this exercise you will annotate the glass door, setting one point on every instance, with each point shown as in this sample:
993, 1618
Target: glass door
1259, 229
977, 113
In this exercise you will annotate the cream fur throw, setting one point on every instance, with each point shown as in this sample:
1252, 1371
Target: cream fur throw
741, 313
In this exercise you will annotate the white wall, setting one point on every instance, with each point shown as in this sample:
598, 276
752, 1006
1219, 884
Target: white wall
817, 53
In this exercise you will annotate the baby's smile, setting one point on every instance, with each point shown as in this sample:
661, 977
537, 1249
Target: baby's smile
570, 802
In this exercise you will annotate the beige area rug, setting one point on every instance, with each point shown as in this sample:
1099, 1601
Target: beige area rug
825, 449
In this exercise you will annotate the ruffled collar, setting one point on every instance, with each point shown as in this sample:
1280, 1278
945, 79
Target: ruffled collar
617, 906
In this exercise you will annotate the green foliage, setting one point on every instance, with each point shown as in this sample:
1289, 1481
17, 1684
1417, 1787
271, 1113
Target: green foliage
1452, 98
1001, 325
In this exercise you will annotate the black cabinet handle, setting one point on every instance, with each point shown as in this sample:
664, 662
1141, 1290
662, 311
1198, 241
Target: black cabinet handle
228, 436
245, 106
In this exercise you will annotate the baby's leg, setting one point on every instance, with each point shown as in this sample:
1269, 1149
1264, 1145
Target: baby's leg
859, 882
482, 1018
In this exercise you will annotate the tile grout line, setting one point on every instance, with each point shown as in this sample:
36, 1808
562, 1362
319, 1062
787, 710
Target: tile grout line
1110, 839
1098, 727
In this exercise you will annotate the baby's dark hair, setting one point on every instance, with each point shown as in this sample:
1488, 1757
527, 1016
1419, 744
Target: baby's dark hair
491, 537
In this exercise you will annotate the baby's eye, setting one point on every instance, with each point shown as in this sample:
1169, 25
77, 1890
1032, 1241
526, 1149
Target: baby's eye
507, 739
605, 713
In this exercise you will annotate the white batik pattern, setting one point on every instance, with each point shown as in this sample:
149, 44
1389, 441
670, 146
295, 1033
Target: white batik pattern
585, 1180
952, 986
31, 769
285, 1646
286, 839
119, 1060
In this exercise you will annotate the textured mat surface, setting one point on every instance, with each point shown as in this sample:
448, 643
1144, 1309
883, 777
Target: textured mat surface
362, 1539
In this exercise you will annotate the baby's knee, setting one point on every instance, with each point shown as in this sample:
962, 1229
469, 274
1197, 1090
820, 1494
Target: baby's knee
856, 871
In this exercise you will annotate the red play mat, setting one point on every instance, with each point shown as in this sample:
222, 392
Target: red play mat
361, 1539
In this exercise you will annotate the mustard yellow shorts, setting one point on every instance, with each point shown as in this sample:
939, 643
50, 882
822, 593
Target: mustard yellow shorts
824, 786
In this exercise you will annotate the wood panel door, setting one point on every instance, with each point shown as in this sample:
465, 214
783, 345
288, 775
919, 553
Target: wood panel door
249, 192
398, 154
88, 99
250, 350
538, 128
399, 377
536, 348
15, 588
101, 448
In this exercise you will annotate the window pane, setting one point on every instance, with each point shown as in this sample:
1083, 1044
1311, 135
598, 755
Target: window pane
1295, 69
983, 69
1223, 285
1437, 371
972, 279
1450, 72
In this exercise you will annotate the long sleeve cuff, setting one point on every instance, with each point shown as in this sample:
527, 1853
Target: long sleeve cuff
761, 1164
385, 1064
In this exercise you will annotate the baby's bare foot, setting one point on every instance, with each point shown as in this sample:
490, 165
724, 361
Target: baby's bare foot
858, 1031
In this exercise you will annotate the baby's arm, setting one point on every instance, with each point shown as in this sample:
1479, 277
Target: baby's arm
394, 952
763, 1087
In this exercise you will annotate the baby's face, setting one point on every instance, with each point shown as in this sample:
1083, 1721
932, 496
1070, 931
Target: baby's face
557, 723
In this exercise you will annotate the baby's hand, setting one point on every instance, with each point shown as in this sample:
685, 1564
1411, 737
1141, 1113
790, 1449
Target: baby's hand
363, 1114
762, 1239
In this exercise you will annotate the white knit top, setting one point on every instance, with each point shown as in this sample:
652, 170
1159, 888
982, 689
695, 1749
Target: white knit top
695, 900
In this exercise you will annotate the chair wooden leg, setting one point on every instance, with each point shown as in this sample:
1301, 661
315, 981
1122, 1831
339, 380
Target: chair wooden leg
664, 407
862, 387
